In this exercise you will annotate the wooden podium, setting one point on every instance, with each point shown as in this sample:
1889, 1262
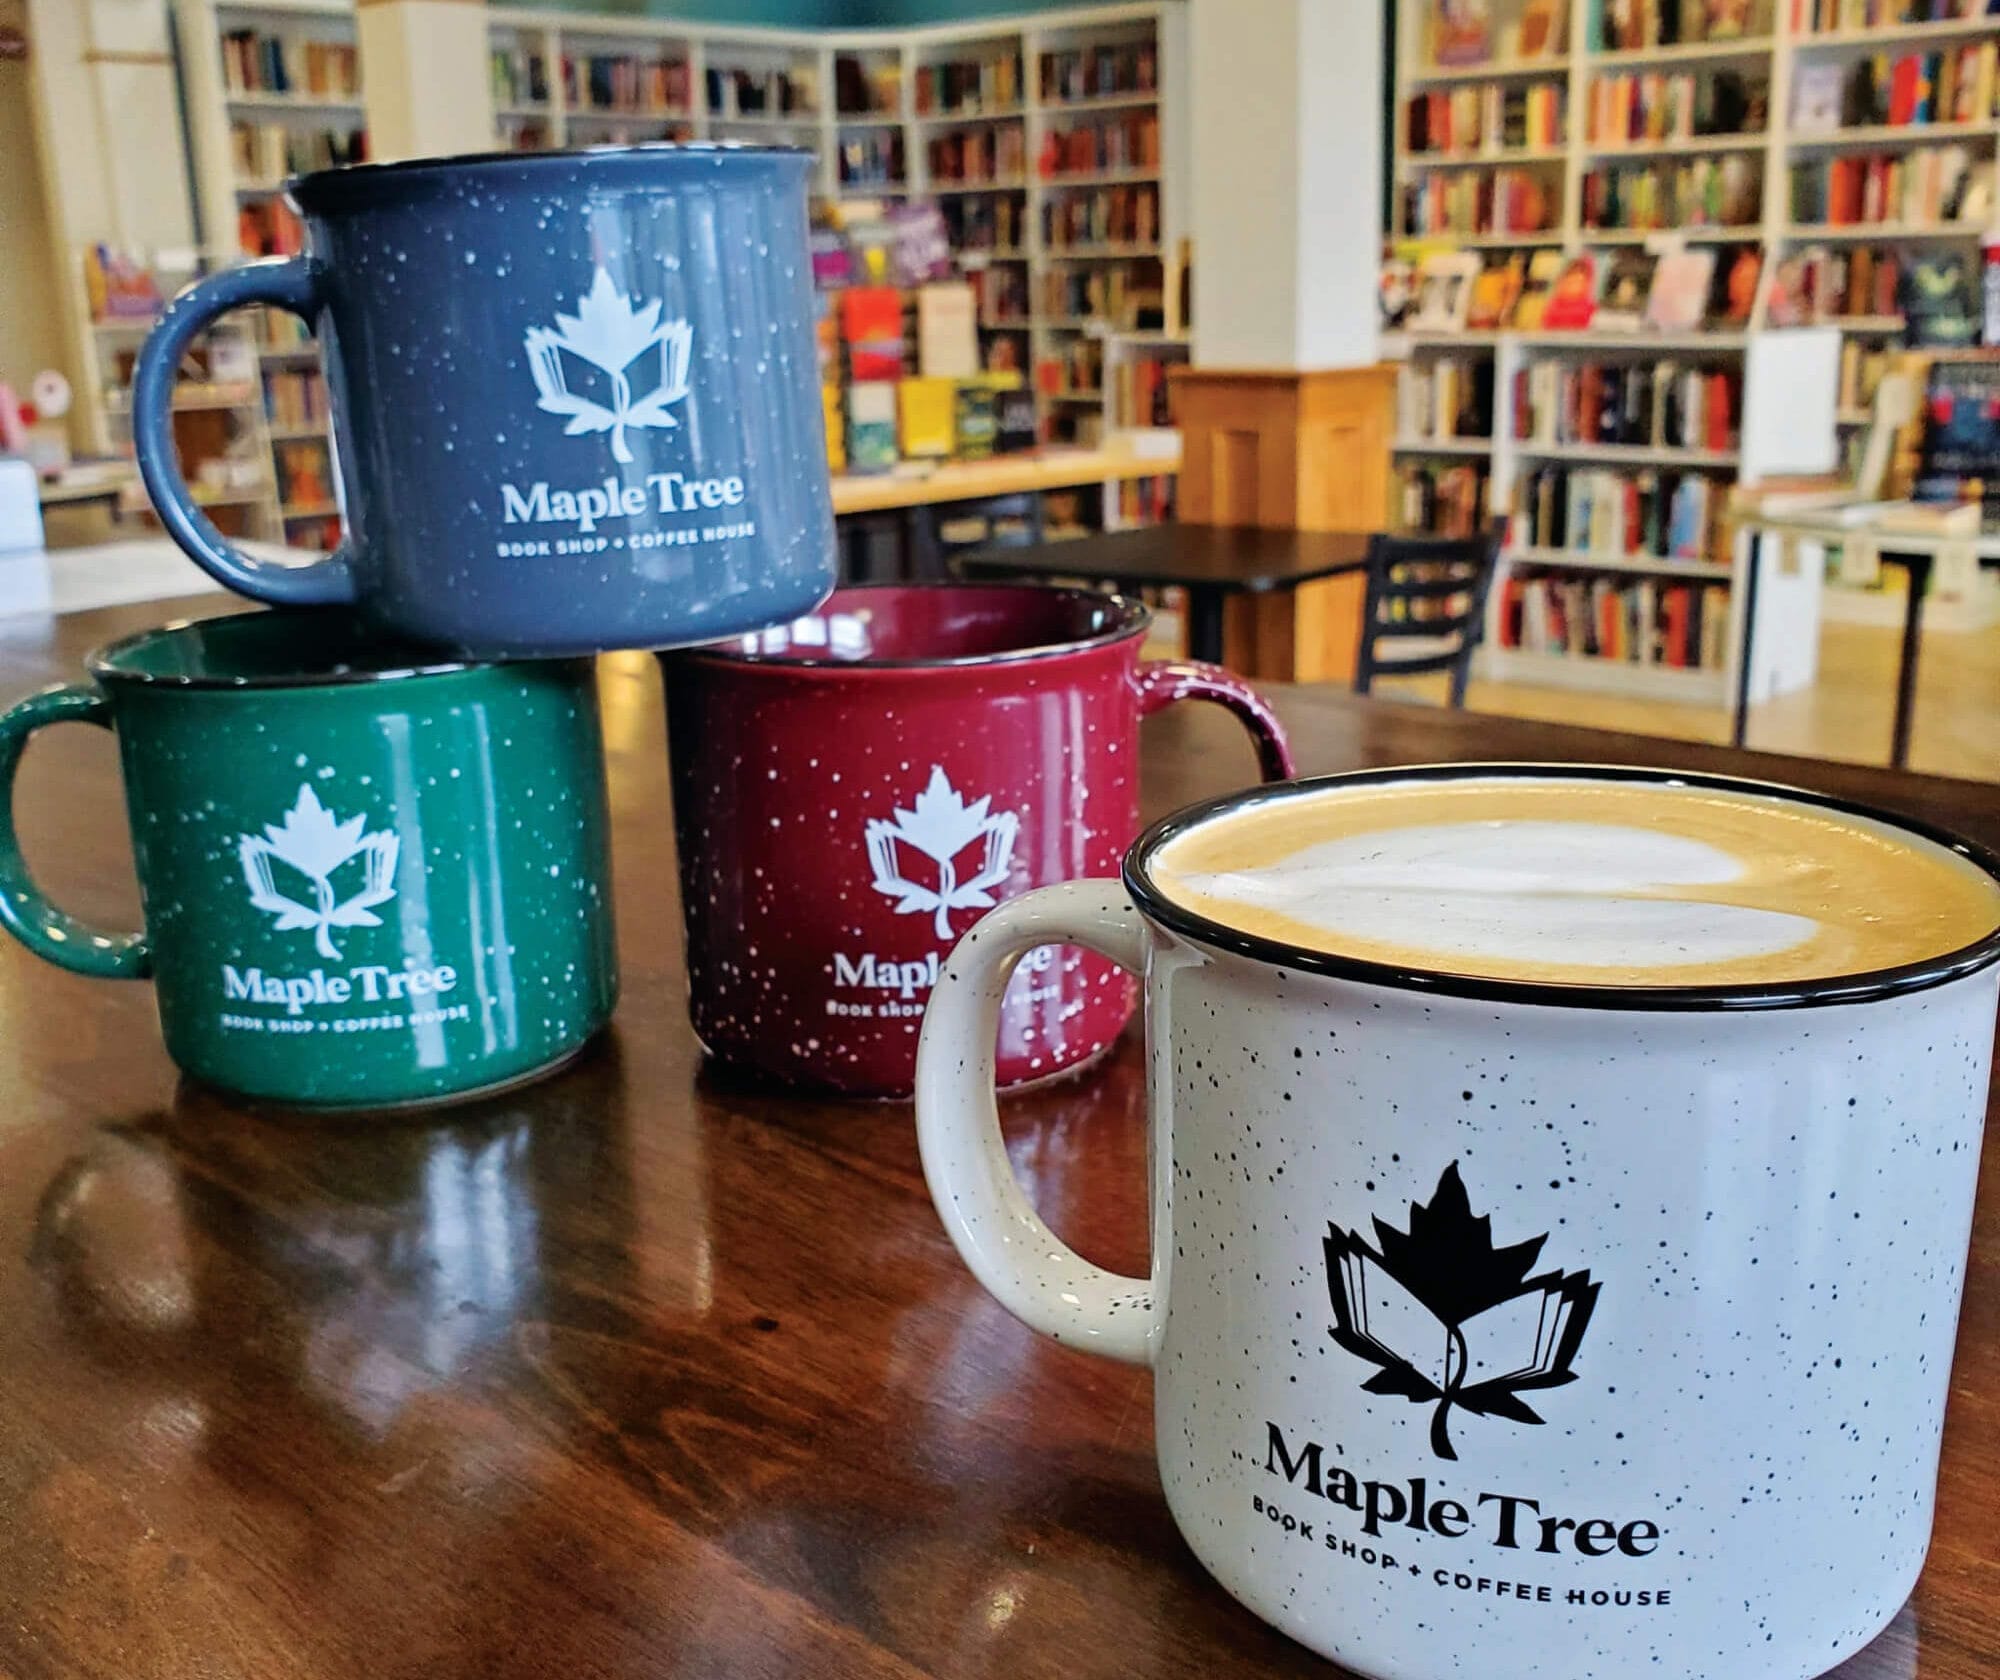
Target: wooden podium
1291, 450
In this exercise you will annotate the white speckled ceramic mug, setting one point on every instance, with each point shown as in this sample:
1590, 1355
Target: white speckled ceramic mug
1506, 1329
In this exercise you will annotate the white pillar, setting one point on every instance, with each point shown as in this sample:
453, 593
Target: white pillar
424, 78
1286, 114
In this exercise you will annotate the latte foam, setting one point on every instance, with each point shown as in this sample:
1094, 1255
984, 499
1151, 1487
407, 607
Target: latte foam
1569, 879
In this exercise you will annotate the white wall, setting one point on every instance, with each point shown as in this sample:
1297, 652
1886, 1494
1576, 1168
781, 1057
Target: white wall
423, 74
31, 336
1285, 107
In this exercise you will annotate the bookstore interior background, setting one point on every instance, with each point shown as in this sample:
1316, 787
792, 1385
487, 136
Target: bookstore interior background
1668, 289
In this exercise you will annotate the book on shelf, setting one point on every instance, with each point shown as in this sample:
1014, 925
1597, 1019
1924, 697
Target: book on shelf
1138, 392
1939, 297
1120, 215
1000, 295
1480, 201
766, 92
1625, 291
1493, 118
924, 418
1111, 292
1446, 397
947, 333
1630, 25
1075, 368
1146, 501
1665, 404
1442, 501
1572, 299
1925, 186
1682, 283
871, 158
519, 77
268, 228
1643, 621
1812, 17
969, 86
1100, 72
1496, 289
1819, 98
1098, 144
625, 83
864, 87
990, 153
255, 62
1824, 283
871, 324
1700, 192
295, 400
871, 426
1646, 105
304, 471
1623, 513
268, 152
1460, 31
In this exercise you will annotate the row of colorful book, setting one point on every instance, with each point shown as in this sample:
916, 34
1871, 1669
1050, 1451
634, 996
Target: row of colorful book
1490, 117
968, 86
518, 77
626, 83
987, 153
1955, 85
1101, 72
865, 87
1445, 397
295, 399
1075, 368
1459, 33
1124, 215
1629, 25
1815, 16
1481, 201
1131, 141
1667, 404
1694, 192
1659, 106
254, 62
767, 92
1108, 292
1441, 501
266, 152
1622, 513
1684, 626
1682, 291
1920, 187
871, 157
984, 221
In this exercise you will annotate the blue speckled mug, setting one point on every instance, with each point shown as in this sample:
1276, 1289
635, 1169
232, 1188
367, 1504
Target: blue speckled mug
575, 398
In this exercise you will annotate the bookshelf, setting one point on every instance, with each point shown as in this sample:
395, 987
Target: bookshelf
1581, 138
1053, 144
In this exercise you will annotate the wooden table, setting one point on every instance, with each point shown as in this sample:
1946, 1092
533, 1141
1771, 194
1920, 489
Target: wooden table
1210, 562
640, 1372
1914, 555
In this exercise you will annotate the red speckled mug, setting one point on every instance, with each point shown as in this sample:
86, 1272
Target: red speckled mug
854, 790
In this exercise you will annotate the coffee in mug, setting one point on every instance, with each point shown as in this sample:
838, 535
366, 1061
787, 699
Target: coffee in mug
1562, 1186
371, 878
575, 397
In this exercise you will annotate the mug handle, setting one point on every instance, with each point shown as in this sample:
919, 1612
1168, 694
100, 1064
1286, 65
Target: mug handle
290, 283
1027, 1268
1161, 682
53, 934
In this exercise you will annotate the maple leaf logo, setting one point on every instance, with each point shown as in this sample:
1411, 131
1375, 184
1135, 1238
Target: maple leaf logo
314, 844
938, 827
608, 334
1450, 1318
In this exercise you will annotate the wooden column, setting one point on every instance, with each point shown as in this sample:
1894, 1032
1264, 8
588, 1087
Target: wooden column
1289, 450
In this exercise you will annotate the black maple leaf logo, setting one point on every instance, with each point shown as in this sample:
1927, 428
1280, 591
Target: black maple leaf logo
1449, 1317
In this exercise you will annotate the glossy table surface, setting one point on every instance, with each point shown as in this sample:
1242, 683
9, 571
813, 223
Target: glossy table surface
1233, 559
638, 1372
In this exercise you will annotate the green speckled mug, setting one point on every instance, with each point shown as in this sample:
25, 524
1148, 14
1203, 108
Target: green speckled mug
370, 879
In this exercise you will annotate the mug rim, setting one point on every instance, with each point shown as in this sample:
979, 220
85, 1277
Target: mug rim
1868, 986
1133, 618
361, 177
101, 661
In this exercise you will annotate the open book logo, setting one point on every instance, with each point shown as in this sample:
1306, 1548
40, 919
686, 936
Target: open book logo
315, 871
942, 854
611, 367
1450, 1319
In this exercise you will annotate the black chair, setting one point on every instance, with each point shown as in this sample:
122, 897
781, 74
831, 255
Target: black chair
1426, 607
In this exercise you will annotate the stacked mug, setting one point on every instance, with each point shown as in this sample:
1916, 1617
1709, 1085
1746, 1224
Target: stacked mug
575, 407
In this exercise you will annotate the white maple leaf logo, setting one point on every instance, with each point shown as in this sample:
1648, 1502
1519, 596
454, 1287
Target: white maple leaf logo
938, 827
610, 335
315, 844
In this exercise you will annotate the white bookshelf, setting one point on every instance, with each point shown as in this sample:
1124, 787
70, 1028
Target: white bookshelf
813, 53
1779, 434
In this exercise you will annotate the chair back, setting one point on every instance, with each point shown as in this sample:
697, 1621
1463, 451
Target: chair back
1426, 606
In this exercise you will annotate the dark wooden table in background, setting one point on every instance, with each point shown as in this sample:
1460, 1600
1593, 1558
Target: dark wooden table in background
640, 1372
1210, 562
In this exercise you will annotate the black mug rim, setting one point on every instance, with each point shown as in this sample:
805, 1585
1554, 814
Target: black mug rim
101, 661
347, 179
1133, 618
1867, 987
